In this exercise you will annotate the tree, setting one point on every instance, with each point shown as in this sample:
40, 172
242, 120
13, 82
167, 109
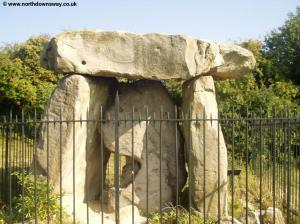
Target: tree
24, 84
282, 48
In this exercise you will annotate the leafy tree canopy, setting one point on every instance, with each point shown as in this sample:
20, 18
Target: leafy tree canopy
24, 84
282, 48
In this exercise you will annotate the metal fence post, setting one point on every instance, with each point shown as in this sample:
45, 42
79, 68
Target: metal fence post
117, 159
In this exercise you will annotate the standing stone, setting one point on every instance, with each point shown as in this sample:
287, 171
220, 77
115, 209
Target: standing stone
144, 56
199, 96
78, 97
146, 139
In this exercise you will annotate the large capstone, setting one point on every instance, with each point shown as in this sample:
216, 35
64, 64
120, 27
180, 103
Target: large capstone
205, 147
144, 56
154, 148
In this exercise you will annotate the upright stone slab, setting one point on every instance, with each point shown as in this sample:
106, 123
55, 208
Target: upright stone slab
204, 138
146, 144
78, 97
144, 56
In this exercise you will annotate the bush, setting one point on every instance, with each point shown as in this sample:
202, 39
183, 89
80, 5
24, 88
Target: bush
34, 200
24, 84
169, 217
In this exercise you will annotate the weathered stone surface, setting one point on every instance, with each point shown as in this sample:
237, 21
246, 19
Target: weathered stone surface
267, 217
253, 218
199, 95
127, 218
146, 144
147, 56
237, 62
125, 198
84, 97
228, 220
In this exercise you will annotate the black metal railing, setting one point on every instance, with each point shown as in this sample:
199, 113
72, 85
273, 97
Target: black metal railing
263, 167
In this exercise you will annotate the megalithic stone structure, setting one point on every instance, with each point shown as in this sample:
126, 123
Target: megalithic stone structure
93, 61
205, 147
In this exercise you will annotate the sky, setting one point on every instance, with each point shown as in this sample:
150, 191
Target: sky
218, 20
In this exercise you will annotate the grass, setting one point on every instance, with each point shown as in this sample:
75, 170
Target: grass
34, 202
14, 141
254, 192
168, 216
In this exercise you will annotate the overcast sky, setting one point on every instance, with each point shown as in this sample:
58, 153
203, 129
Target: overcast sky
219, 20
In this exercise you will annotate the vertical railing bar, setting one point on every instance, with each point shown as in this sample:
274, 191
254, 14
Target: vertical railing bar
73, 166
32, 141
298, 168
9, 168
204, 165
27, 152
255, 139
280, 158
176, 162
160, 163
2, 160
15, 147
102, 165
6, 175
260, 166
86, 170
48, 202
232, 167
13, 159
278, 136
117, 155
147, 167
23, 172
274, 163
189, 120
28, 146
294, 156
132, 157
289, 170
295, 166
247, 166
24, 149
284, 165
219, 170
270, 157
34, 167
266, 168
60, 164
2, 153
108, 169
293, 179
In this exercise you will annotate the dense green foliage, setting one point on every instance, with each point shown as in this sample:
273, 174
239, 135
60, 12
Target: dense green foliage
24, 84
35, 201
253, 94
168, 216
282, 48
